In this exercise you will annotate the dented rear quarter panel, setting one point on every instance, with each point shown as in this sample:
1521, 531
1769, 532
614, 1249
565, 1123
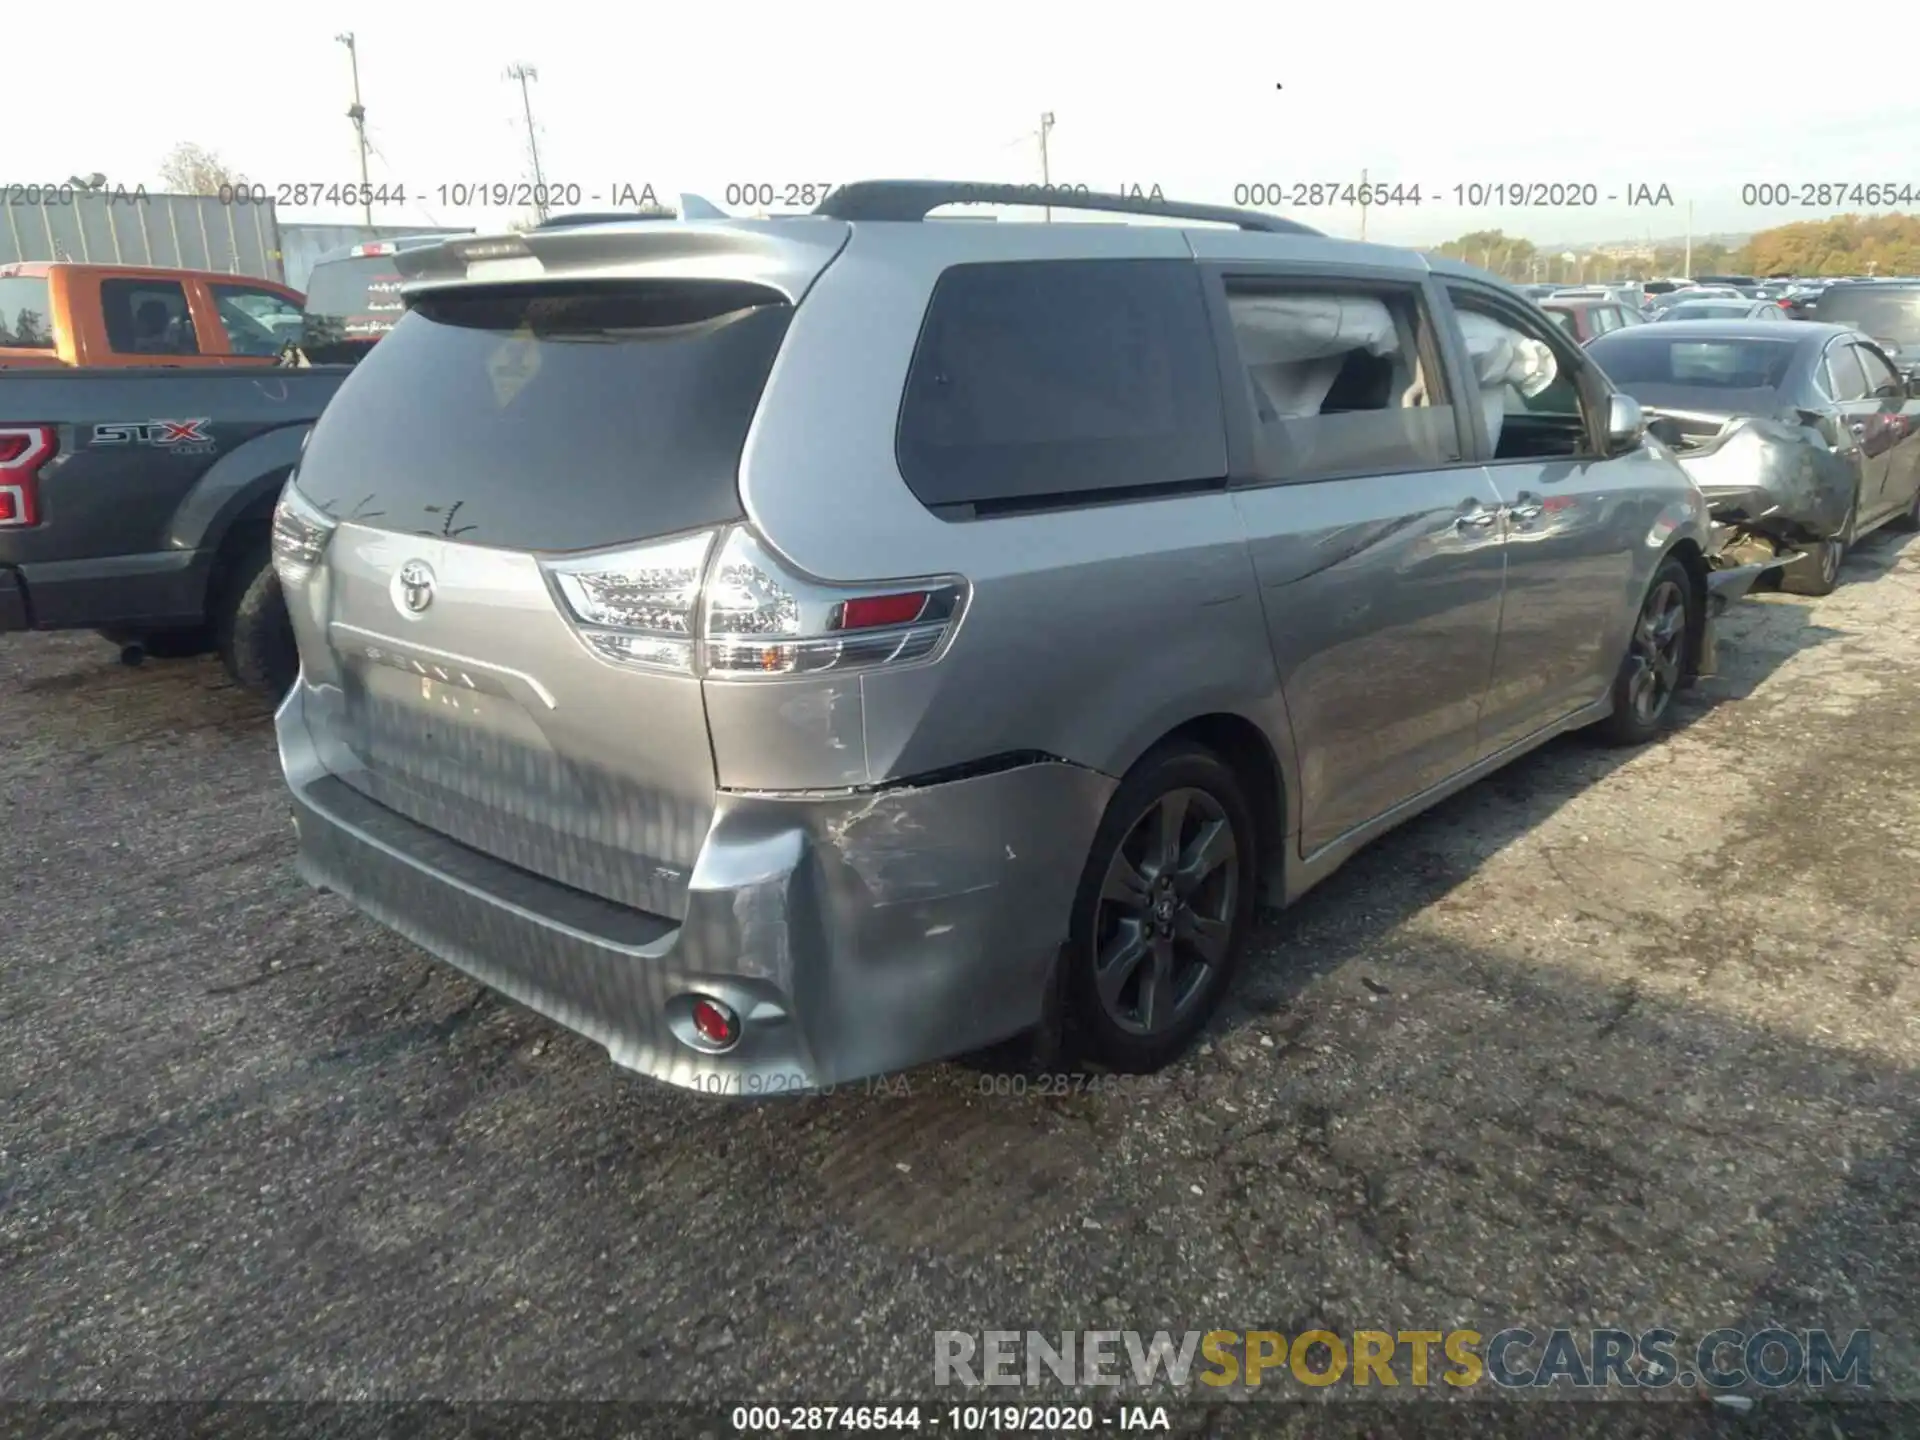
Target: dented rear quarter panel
1781, 479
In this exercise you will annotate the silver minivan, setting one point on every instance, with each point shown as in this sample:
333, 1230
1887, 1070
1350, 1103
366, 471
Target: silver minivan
787, 651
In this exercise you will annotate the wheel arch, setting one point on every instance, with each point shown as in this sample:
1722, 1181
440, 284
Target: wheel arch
1688, 552
1249, 752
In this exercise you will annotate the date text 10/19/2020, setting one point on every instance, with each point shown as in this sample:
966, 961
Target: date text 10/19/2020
458, 195
954, 1419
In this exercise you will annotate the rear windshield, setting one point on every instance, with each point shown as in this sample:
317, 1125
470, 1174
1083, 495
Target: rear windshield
350, 304
552, 417
1707, 373
1036, 382
1884, 314
1710, 310
26, 312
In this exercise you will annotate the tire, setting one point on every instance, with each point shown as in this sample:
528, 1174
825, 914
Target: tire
180, 644
1659, 657
1818, 573
255, 637
1187, 936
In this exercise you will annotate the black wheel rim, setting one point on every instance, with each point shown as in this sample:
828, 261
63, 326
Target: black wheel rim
1658, 640
1166, 912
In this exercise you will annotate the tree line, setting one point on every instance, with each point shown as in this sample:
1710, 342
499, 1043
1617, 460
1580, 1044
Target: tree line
1840, 245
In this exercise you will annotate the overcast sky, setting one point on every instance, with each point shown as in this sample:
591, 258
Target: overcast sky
699, 97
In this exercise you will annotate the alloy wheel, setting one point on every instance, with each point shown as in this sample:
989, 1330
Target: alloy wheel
1166, 912
1658, 641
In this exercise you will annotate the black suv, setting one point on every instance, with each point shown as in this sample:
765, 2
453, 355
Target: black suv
1889, 311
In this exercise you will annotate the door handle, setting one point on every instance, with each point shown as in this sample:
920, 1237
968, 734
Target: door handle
1477, 520
1528, 509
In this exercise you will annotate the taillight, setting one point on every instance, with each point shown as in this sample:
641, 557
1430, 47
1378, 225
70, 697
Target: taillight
301, 530
762, 620
373, 248
665, 606
24, 449
638, 605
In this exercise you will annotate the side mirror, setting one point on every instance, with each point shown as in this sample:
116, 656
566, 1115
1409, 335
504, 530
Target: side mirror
1626, 423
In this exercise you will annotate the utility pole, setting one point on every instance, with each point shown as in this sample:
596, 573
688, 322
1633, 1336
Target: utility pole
358, 114
1687, 269
524, 73
1046, 174
1363, 205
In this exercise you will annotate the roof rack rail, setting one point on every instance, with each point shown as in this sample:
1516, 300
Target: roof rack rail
913, 199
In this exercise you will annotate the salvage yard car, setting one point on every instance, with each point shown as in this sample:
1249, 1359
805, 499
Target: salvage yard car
788, 651
1584, 317
137, 502
1887, 310
1735, 309
1803, 437
55, 313
353, 298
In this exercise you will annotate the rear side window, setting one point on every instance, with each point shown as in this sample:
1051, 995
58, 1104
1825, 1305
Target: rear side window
1845, 376
350, 304
1037, 382
1341, 382
552, 417
147, 317
1883, 383
26, 312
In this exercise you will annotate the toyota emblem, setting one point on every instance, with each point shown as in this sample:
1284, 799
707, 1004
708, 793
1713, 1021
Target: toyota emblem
413, 586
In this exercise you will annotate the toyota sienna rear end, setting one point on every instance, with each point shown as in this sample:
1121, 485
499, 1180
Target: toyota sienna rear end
628, 679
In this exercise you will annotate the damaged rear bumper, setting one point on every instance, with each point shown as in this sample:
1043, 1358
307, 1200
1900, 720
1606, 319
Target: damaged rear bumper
853, 934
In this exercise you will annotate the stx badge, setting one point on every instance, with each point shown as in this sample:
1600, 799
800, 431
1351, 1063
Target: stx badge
188, 437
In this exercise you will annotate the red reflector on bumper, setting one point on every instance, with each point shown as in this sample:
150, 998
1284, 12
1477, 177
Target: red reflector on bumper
872, 611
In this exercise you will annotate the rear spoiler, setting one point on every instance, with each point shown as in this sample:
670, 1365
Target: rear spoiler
784, 255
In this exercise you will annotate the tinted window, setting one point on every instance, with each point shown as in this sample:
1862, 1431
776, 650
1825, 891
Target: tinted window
1844, 375
257, 322
1339, 382
1564, 319
26, 312
552, 417
350, 305
1883, 381
1043, 379
1884, 313
147, 317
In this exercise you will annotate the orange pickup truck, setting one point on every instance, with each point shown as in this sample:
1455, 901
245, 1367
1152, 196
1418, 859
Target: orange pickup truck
60, 313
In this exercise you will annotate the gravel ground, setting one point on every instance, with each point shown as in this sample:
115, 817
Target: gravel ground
1610, 1038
